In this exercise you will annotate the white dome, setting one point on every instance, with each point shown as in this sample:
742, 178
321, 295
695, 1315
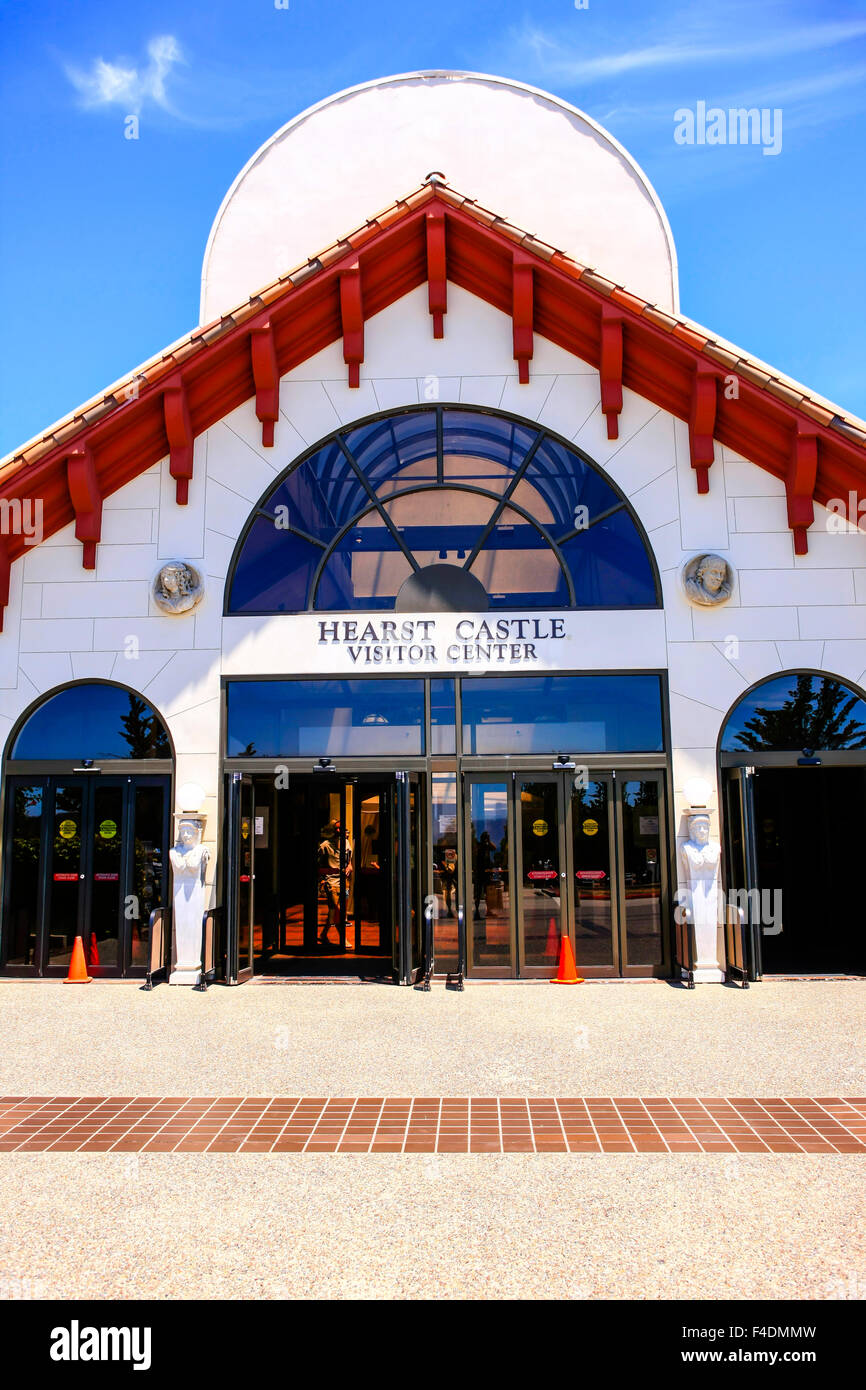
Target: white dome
518, 151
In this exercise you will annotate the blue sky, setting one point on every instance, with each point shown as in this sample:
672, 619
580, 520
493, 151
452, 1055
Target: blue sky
101, 238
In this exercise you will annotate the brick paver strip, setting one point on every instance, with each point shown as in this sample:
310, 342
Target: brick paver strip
431, 1124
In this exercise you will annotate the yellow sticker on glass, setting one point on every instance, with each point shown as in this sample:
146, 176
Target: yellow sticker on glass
108, 829
540, 827
590, 827
68, 829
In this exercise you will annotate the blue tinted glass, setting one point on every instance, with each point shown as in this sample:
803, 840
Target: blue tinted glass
562, 714
442, 524
443, 731
606, 560
93, 721
320, 495
790, 713
274, 571
400, 449
296, 719
609, 565
368, 575
565, 481
468, 433
365, 568
518, 568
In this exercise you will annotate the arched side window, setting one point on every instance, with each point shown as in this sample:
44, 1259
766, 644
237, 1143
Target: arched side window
796, 711
91, 720
442, 508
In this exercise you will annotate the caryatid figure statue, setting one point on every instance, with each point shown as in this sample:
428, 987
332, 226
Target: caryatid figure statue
188, 861
701, 857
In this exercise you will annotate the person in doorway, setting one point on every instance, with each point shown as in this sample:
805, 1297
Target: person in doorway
448, 873
484, 852
335, 868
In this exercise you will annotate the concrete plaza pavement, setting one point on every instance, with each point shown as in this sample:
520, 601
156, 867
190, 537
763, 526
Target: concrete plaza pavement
481, 1226
621, 1038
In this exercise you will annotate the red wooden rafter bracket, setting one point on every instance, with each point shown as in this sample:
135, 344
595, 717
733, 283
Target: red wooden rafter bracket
610, 369
702, 423
266, 378
800, 485
178, 429
352, 320
437, 278
86, 501
522, 312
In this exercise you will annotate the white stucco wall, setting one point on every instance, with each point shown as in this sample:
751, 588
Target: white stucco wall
66, 623
524, 154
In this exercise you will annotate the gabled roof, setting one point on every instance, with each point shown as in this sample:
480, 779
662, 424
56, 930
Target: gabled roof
434, 235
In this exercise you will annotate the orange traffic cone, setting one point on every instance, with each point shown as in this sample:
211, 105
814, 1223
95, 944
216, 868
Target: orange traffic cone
552, 946
77, 969
567, 973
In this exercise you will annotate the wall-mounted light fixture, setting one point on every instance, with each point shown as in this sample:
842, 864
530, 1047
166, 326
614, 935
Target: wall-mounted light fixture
697, 793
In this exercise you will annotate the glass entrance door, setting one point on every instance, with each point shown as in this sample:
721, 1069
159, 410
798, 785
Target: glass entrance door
539, 869
312, 880
85, 856
491, 934
409, 842
549, 853
643, 934
742, 858
593, 876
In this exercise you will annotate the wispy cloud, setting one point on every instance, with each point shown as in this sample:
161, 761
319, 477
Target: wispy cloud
127, 86
555, 54
214, 94
797, 96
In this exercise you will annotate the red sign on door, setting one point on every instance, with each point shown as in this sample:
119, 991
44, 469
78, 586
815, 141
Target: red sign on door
66, 878
105, 878
542, 873
591, 873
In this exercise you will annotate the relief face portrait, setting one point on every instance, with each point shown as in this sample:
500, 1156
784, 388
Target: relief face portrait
177, 588
699, 829
189, 833
708, 580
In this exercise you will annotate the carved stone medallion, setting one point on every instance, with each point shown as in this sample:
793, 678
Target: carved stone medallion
178, 587
708, 580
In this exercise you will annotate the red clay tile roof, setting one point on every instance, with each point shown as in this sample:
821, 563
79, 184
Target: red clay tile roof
123, 432
163, 363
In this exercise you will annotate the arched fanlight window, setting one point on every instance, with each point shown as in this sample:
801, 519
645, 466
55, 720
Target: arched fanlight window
91, 720
797, 711
442, 508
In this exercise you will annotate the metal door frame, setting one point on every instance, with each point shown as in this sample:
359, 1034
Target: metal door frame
614, 970
402, 900
237, 783
386, 783
89, 782
663, 969
743, 777
566, 897
470, 779
615, 779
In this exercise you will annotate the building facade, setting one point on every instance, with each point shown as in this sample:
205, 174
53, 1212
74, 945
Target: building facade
413, 610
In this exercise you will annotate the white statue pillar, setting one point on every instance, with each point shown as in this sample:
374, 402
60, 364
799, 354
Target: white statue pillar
701, 860
188, 861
